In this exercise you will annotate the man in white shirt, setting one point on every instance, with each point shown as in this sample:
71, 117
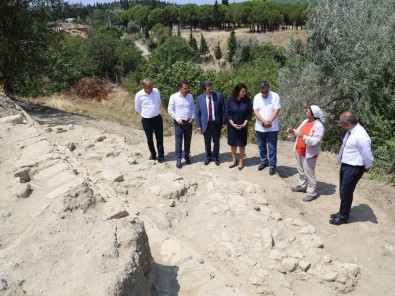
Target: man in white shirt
147, 103
266, 108
356, 157
181, 109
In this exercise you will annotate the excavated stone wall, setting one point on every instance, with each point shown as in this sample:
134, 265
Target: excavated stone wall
59, 233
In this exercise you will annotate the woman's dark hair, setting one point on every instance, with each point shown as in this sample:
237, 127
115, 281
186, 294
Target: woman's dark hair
237, 89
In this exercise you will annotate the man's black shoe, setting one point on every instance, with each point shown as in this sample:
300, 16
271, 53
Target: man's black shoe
338, 221
334, 215
207, 161
217, 162
262, 166
152, 157
188, 160
161, 159
272, 171
178, 164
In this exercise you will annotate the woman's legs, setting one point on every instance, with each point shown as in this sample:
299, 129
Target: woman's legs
234, 150
242, 152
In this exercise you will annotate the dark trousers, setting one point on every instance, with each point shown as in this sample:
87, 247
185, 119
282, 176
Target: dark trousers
151, 126
267, 139
212, 133
349, 177
183, 132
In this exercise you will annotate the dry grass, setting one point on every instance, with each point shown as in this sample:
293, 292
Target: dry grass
280, 38
118, 107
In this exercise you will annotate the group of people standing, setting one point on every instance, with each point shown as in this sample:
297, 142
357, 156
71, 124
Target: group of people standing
212, 114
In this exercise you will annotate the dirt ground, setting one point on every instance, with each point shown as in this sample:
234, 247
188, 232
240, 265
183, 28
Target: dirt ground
208, 226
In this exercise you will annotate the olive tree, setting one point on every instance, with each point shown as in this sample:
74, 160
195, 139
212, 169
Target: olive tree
349, 64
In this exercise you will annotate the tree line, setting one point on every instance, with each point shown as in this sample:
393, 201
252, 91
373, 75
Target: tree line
259, 16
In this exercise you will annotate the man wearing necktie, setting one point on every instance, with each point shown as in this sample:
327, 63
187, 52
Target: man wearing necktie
355, 157
210, 120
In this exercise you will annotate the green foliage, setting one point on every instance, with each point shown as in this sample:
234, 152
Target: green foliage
192, 42
250, 74
161, 32
128, 57
188, 14
218, 52
268, 50
232, 46
132, 27
349, 65
23, 39
243, 50
174, 49
203, 45
101, 45
166, 80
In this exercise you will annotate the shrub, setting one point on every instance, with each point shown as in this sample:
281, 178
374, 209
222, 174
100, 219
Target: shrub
92, 88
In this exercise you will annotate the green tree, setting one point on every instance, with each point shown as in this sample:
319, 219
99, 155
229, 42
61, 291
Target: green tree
161, 32
349, 65
188, 14
232, 45
157, 16
167, 79
203, 45
171, 15
174, 49
205, 16
192, 41
24, 37
216, 15
218, 52
101, 45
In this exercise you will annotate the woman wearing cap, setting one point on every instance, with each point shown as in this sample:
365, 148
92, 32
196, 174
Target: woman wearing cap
309, 135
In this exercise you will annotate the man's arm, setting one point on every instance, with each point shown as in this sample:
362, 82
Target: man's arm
274, 115
171, 108
258, 116
137, 103
198, 113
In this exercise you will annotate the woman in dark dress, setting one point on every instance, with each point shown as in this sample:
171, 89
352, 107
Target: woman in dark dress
238, 111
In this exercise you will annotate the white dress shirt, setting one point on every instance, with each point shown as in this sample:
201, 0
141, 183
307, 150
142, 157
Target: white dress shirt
265, 108
148, 105
180, 107
357, 150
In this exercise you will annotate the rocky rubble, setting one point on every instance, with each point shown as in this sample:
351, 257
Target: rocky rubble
206, 213
59, 233
94, 199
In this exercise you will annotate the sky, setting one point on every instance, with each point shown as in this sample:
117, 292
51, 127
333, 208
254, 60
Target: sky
86, 2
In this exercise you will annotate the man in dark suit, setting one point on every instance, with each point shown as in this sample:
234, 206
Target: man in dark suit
210, 120
356, 158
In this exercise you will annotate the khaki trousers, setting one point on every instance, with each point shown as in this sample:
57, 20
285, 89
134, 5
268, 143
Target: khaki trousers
306, 170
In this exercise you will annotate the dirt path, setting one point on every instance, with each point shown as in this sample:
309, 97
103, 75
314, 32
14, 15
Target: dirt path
220, 231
